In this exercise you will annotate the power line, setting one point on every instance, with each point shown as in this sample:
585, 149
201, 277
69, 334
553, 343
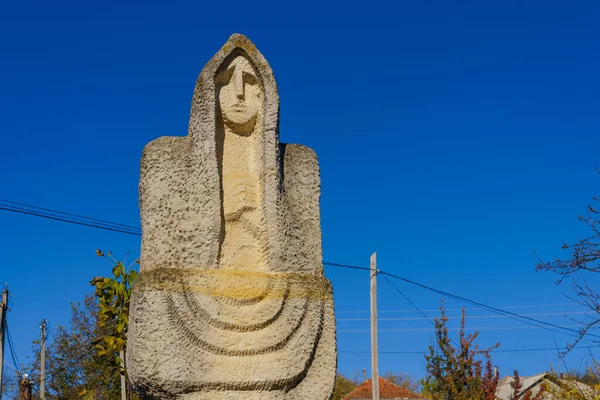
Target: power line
76, 219
459, 309
525, 319
35, 365
69, 214
493, 351
414, 306
509, 314
466, 317
128, 229
345, 266
407, 299
528, 320
12, 349
484, 328
67, 219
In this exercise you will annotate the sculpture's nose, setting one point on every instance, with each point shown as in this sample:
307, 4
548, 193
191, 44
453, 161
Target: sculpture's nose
239, 84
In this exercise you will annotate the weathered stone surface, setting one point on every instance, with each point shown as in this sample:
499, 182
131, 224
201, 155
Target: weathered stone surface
231, 302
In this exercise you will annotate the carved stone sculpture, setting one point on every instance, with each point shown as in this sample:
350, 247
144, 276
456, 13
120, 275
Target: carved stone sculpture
231, 302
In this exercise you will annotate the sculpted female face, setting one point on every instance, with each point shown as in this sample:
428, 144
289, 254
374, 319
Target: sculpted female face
240, 95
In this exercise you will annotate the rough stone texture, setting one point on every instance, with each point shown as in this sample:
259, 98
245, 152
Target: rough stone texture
231, 302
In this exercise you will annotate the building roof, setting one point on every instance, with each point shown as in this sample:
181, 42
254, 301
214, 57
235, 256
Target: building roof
387, 391
533, 384
505, 390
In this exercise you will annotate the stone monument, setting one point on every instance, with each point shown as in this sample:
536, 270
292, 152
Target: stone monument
231, 302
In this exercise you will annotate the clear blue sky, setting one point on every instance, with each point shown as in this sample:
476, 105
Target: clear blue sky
452, 140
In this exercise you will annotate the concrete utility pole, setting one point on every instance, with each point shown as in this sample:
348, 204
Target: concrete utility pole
374, 346
3, 310
123, 378
43, 363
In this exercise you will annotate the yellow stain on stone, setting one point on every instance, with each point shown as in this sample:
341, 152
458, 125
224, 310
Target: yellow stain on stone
241, 42
239, 285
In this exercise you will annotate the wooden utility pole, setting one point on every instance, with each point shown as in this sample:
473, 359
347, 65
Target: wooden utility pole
43, 363
374, 346
3, 310
25, 385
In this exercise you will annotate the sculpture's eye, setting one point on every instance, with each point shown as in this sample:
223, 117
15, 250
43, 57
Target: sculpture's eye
224, 77
250, 79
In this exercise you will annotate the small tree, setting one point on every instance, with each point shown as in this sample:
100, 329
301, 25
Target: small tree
114, 295
584, 258
571, 386
462, 373
72, 370
10, 385
343, 386
517, 386
403, 380
590, 375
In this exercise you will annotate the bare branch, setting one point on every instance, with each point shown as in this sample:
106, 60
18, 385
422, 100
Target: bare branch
584, 257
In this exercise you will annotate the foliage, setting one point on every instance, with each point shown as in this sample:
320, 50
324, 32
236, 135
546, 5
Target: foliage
10, 384
573, 392
343, 386
462, 373
584, 258
72, 370
575, 385
113, 296
359, 377
403, 380
517, 386
590, 376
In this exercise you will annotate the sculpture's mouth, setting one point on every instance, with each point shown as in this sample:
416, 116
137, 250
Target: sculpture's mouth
239, 107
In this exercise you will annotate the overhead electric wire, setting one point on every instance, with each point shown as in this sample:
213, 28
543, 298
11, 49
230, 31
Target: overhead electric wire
509, 314
12, 349
37, 361
466, 317
131, 230
493, 351
95, 222
413, 304
527, 320
69, 214
407, 299
345, 266
481, 328
41, 214
459, 309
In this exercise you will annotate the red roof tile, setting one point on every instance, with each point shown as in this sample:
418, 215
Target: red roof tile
387, 390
